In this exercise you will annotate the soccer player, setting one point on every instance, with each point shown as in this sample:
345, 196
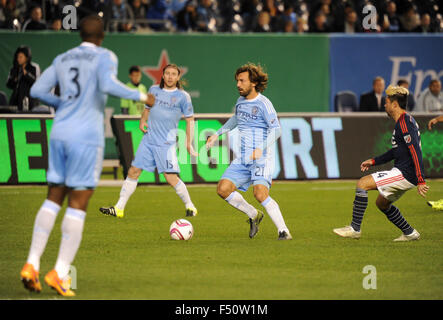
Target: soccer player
157, 148
391, 185
259, 128
132, 107
85, 74
437, 205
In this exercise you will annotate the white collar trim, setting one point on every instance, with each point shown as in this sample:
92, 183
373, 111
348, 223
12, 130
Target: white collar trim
88, 44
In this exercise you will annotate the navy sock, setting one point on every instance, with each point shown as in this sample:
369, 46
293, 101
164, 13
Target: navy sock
394, 215
360, 205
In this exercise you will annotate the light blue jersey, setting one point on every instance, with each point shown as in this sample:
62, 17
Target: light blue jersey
85, 74
157, 149
258, 128
254, 118
165, 114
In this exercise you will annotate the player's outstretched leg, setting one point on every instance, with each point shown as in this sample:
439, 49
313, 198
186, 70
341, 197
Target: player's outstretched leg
261, 193
128, 188
44, 222
273, 209
394, 215
360, 204
181, 190
226, 190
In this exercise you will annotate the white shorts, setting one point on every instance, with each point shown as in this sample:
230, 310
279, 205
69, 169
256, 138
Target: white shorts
391, 184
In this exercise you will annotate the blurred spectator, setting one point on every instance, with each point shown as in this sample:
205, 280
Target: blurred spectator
139, 8
263, 22
129, 106
320, 23
249, 10
14, 12
321, 7
374, 100
351, 23
411, 101
56, 24
235, 15
187, 17
286, 21
207, 16
3, 14
177, 5
274, 13
301, 26
409, 19
392, 17
159, 10
379, 25
35, 22
122, 17
21, 77
425, 24
53, 9
431, 99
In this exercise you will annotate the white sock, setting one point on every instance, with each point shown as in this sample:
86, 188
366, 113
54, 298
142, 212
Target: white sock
274, 212
182, 192
236, 200
126, 191
44, 222
72, 230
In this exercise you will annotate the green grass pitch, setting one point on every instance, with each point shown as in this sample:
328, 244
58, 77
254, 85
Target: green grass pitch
134, 258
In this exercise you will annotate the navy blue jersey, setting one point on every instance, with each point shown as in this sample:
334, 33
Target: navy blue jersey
406, 150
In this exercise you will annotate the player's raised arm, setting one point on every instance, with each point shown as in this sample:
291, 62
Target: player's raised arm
228, 126
43, 86
108, 82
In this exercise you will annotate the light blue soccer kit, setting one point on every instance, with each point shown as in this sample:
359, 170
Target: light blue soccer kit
85, 74
258, 125
158, 146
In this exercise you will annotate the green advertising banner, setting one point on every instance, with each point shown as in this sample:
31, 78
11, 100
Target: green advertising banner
312, 146
298, 66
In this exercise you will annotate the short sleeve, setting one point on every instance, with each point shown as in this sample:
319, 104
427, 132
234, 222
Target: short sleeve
186, 105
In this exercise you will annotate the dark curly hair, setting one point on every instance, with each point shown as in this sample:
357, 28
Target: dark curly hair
256, 75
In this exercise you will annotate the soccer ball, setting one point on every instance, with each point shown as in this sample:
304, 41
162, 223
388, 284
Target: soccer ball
181, 229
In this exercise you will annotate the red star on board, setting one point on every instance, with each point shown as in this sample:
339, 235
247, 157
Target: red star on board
155, 72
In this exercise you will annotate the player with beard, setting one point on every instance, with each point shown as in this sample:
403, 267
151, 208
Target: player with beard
259, 128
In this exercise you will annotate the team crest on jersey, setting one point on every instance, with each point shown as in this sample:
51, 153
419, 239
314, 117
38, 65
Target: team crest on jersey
254, 111
407, 138
173, 100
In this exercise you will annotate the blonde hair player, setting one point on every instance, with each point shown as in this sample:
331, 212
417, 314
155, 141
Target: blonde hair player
391, 185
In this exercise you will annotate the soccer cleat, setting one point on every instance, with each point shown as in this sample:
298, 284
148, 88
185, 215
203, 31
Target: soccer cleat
112, 211
254, 223
283, 235
413, 236
191, 212
437, 205
61, 286
348, 232
29, 277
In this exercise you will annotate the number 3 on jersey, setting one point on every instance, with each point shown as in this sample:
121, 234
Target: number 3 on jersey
75, 81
